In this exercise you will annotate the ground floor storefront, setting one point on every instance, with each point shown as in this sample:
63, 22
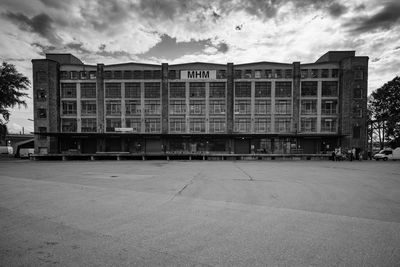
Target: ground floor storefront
196, 144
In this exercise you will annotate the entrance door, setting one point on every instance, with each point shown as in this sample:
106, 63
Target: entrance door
153, 146
242, 146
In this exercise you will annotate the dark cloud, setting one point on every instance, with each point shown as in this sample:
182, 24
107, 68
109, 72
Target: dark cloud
336, 9
40, 24
376, 59
114, 54
55, 4
44, 48
223, 47
169, 48
78, 47
385, 19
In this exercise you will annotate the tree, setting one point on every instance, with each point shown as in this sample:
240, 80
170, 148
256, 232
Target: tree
12, 83
385, 112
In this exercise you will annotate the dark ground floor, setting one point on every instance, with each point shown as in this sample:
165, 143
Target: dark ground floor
196, 144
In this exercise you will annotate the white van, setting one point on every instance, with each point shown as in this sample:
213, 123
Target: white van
388, 153
26, 152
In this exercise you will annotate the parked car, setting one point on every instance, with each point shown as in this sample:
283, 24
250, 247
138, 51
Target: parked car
388, 153
26, 152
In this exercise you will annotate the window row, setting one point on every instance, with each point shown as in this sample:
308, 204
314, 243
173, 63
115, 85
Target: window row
309, 125
263, 89
319, 73
328, 107
310, 88
78, 75
263, 107
264, 74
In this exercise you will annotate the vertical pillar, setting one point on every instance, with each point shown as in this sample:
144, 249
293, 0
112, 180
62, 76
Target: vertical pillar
123, 108
252, 106
78, 108
229, 97
164, 98
187, 107
207, 107
100, 98
319, 94
142, 115
296, 97
273, 106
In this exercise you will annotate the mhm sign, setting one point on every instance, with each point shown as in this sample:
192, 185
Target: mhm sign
198, 74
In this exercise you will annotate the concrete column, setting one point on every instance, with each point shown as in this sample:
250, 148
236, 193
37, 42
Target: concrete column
207, 107
100, 98
142, 116
78, 108
229, 97
252, 106
296, 97
319, 94
164, 98
273, 106
187, 107
123, 108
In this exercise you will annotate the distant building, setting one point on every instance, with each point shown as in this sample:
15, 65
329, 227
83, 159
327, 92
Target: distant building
260, 107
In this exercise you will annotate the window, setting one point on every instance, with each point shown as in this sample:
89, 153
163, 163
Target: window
329, 107
152, 90
308, 125
84, 75
283, 107
238, 74
177, 90
74, 75
152, 107
283, 89
263, 89
68, 125
42, 113
107, 74
262, 106
329, 88
217, 125
242, 89
68, 90
282, 125
197, 89
242, 125
197, 125
89, 125
133, 107
314, 73
113, 90
335, 73
64, 75
92, 75
157, 74
357, 112
197, 107
137, 75
217, 90
68, 107
113, 107
262, 125
147, 74
357, 92
324, 73
217, 107
41, 94
173, 74
128, 74
242, 106
134, 123
88, 90
356, 132
247, 74
257, 74
328, 125
268, 74
177, 125
177, 107
309, 88
88, 107
288, 73
278, 74
132, 90
221, 74
152, 125
304, 73
112, 123
117, 74
42, 130
308, 107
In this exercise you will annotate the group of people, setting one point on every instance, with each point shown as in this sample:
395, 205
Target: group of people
338, 154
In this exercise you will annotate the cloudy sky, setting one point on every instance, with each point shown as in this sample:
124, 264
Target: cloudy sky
176, 31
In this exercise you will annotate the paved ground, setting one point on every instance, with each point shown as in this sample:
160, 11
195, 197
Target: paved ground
158, 213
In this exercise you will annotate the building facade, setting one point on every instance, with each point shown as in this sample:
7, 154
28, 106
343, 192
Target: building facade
261, 107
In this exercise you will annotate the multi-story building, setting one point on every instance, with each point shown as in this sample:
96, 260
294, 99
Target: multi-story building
260, 107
